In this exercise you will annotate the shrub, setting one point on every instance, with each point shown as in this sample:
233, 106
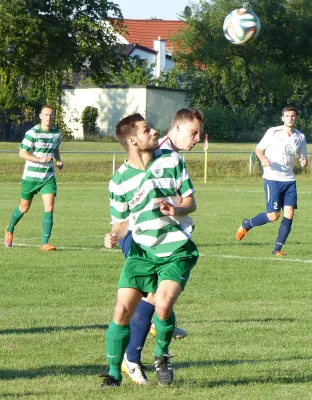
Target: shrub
88, 119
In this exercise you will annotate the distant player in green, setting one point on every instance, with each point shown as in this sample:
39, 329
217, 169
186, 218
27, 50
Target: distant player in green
39, 147
154, 188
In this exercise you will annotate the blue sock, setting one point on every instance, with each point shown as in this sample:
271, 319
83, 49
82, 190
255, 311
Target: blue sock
283, 233
139, 326
258, 220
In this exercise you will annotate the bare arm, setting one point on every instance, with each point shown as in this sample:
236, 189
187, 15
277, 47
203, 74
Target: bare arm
57, 156
30, 157
118, 232
187, 206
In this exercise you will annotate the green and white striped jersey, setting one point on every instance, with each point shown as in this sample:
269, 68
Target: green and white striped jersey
39, 143
138, 192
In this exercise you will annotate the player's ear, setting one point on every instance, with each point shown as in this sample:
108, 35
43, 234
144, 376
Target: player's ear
131, 140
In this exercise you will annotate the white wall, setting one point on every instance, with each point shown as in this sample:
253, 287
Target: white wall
157, 105
112, 104
162, 104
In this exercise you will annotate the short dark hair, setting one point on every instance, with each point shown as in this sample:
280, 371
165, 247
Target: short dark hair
289, 108
126, 127
187, 114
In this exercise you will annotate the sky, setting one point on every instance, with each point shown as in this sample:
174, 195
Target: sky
146, 9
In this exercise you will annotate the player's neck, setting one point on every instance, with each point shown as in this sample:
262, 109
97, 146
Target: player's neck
172, 136
289, 130
140, 160
44, 127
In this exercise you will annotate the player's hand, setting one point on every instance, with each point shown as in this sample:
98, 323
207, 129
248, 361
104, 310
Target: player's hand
303, 161
265, 163
59, 165
166, 208
110, 240
45, 159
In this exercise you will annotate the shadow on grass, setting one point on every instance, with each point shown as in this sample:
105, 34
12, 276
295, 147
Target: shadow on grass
243, 321
254, 380
97, 370
256, 320
231, 363
53, 370
17, 395
244, 244
49, 329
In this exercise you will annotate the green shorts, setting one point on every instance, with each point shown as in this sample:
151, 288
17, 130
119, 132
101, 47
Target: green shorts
30, 188
144, 271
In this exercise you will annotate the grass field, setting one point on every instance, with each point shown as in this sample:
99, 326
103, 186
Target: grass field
247, 313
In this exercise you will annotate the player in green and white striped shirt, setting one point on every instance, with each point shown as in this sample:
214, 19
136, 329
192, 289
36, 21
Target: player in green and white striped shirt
155, 188
39, 147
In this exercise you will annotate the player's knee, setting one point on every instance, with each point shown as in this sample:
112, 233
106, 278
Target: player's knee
273, 216
122, 314
163, 309
23, 209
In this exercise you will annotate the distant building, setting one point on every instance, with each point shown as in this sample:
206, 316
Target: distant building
149, 39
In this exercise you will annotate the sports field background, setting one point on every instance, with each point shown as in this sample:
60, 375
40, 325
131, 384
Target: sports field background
247, 313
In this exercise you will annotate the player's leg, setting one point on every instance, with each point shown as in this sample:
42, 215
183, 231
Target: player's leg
273, 211
140, 325
137, 277
27, 193
141, 320
173, 274
48, 193
289, 206
164, 319
118, 333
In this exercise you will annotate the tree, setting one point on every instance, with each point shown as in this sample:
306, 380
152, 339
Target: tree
42, 41
262, 75
42, 35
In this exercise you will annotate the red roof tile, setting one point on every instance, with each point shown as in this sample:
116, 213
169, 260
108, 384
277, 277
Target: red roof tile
145, 31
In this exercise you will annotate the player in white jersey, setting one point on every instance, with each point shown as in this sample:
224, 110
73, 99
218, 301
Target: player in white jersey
184, 134
157, 191
277, 153
39, 147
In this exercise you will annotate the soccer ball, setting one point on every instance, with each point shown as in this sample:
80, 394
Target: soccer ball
241, 26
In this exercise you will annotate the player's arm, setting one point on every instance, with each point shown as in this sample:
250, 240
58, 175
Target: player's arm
57, 157
30, 157
118, 232
265, 162
303, 154
187, 206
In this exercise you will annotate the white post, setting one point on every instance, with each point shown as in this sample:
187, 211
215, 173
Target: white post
114, 162
250, 163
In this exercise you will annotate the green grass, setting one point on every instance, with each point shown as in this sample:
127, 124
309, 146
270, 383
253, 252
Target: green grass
227, 162
248, 314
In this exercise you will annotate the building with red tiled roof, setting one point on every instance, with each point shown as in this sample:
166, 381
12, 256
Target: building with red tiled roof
150, 39
145, 31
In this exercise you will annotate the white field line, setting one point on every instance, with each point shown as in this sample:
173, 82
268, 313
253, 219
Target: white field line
230, 256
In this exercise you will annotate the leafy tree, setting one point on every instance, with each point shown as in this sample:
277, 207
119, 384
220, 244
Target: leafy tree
262, 75
43, 35
134, 71
43, 41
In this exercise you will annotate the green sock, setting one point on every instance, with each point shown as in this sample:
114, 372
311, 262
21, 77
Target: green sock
47, 224
117, 340
164, 331
16, 216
